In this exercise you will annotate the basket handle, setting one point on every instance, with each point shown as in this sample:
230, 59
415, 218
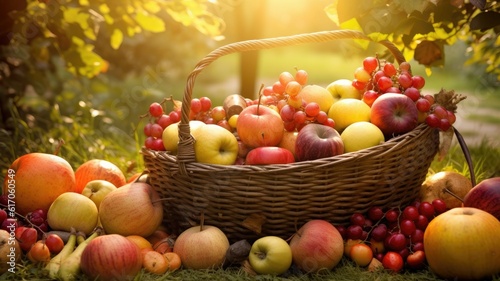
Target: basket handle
185, 151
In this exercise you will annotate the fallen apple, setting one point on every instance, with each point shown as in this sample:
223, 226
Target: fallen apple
316, 141
133, 209
96, 190
73, 210
270, 255
462, 244
37, 179
111, 257
316, 246
485, 196
447, 186
202, 247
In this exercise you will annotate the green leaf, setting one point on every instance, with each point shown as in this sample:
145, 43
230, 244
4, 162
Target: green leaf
331, 12
116, 38
413, 5
485, 20
150, 22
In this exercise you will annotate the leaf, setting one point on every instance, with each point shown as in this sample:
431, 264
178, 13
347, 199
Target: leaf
412, 6
353, 24
116, 38
485, 20
348, 9
150, 22
429, 52
331, 12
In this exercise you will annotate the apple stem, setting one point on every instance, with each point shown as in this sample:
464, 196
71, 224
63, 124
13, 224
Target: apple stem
58, 147
202, 220
453, 194
260, 98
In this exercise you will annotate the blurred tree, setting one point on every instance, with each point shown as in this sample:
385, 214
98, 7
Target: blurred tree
421, 28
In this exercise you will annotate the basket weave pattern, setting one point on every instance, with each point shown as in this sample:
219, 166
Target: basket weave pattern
286, 196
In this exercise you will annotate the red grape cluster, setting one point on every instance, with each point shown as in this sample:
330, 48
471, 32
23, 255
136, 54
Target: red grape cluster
295, 112
159, 120
396, 230
377, 77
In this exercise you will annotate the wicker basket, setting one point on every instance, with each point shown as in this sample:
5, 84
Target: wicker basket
248, 201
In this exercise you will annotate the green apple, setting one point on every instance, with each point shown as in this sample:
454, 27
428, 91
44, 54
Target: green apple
342, 89
73, 210
270, 255
170, 134
215, 145
97, 189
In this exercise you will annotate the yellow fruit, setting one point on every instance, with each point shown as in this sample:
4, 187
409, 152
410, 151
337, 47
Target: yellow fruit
361, 135
347, 111
317, 94
171, 134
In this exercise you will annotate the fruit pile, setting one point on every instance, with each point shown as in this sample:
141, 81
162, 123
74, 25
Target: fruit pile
395, 237
295, 121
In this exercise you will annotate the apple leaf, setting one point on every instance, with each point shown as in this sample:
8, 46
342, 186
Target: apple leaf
254, 222
150, 22
485, 20
429, 53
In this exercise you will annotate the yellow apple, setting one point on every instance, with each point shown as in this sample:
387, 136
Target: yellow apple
170, 134
361, 135
343, 89
96, 190
347, 111
215, 145
72, 210
288, 141
317, 94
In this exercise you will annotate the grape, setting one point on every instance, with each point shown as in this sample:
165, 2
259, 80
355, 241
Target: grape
422, 222
410, 212
206, 104
444, 124
289, 126
393, 89
426, 209
158, 144
407, 227
322, 117
287, 113
379, 74
396, 241
418, 81
330, 122
430, 98
147, 129
148, 143
218, 113
405, 80
285, 77
357, 219
175, 116
278, 88
392, 215
375, 213
195, 105
299, 117
164, 121
370, 96
389, 69
312, 109
384, 83
361, 75
370, 64
156, 131
301, 76
439, 206
423, 105
440, 112
295, 101
342, 230
293, 88
404, 66
225, 124
268, 91
379, 232
452, 117
412, 93
417, 236
354, 232
358, 85
432, 120
419, 246
155, 109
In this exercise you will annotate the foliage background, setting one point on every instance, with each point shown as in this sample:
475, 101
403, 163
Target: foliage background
83, 71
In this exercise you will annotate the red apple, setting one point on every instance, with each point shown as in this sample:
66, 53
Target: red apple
485, 196
266, 155
35, 180
259, 125
317, 245
111, 257
394, 114
316, 141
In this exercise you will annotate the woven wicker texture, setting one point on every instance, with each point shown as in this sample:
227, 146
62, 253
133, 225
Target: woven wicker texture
283, 197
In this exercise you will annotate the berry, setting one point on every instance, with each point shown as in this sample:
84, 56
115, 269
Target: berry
370, 64
155, 109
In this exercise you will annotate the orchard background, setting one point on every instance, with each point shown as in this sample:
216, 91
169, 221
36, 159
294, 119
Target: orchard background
76, 75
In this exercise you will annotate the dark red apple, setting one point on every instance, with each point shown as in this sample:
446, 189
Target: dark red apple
316, 141
266, 155
394, 114
485, 196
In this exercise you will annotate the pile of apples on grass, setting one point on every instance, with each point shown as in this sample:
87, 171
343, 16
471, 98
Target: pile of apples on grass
114, 233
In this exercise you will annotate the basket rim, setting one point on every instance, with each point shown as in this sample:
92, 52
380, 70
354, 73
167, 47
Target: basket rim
383, 147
